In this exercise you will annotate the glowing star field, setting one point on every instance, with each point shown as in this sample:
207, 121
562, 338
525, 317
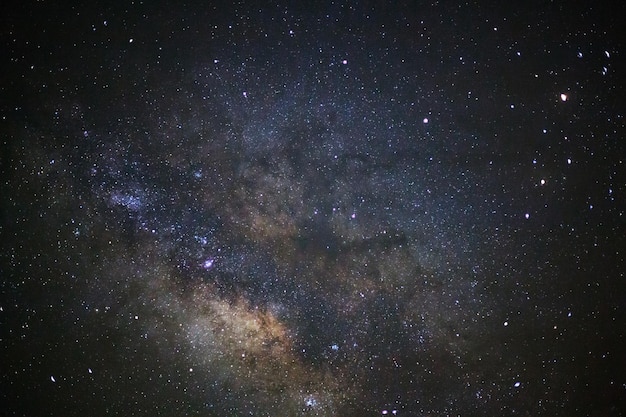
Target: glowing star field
320, 209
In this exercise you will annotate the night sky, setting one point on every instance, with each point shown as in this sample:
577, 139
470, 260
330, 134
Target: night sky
312, 209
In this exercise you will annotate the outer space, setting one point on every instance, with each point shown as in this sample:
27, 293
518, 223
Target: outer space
327, 210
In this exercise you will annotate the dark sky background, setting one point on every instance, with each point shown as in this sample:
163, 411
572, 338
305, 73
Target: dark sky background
312, 209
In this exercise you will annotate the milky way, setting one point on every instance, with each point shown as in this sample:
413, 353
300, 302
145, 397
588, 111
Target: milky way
330, 210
